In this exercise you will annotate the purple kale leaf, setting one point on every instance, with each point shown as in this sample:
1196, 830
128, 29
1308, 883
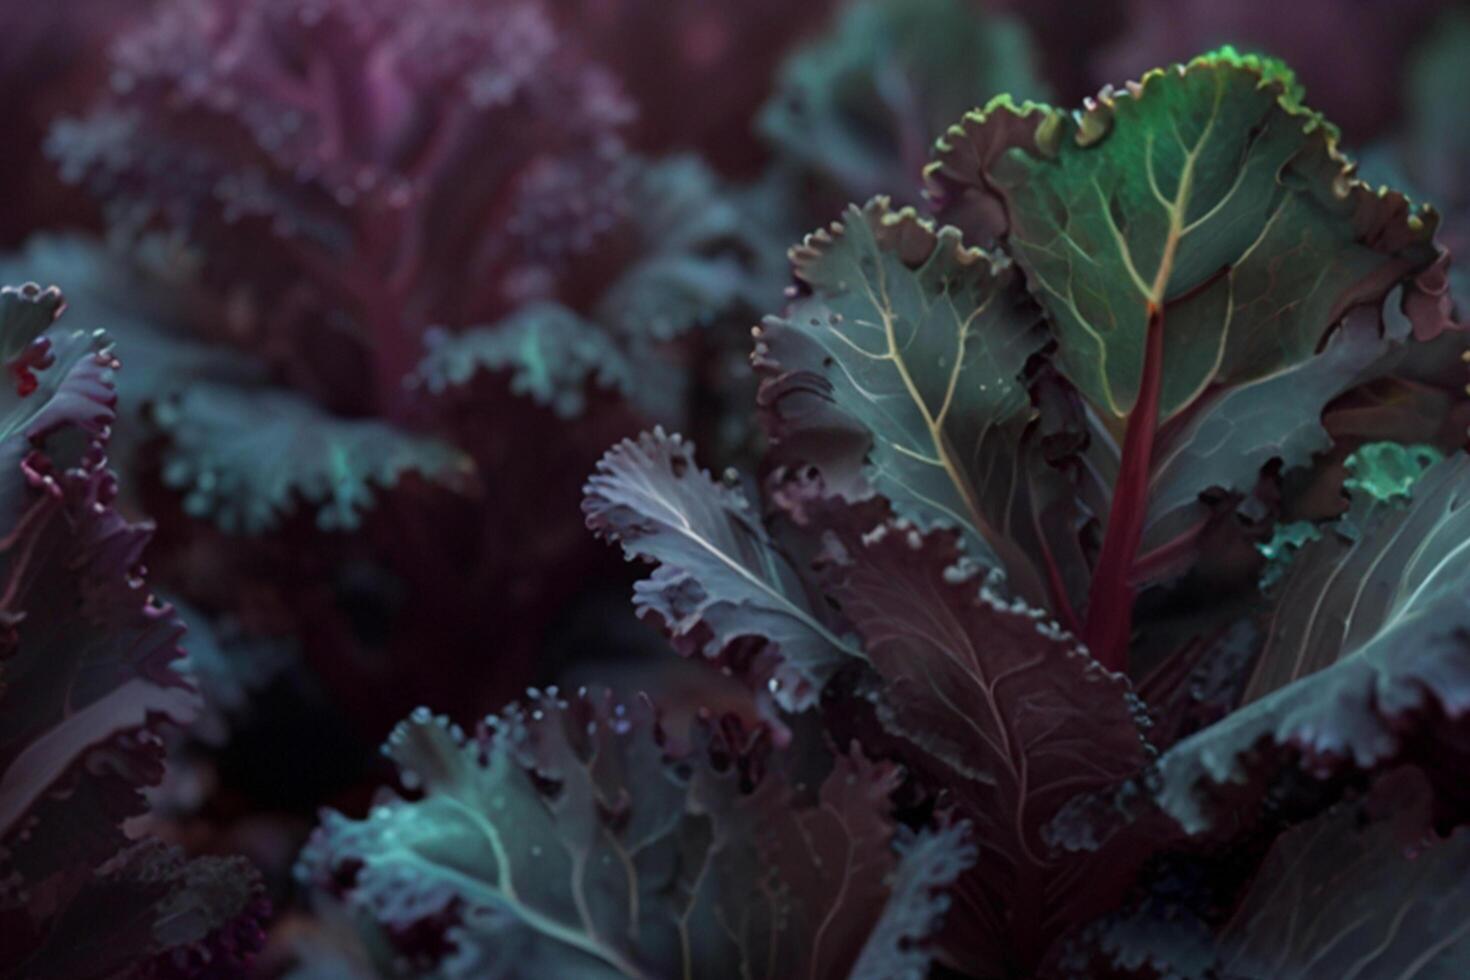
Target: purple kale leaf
1006, 712
1366, 887
88, 685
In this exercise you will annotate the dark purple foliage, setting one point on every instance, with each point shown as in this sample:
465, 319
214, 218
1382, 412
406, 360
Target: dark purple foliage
348, 234
1070, 580
88, 685
349, 165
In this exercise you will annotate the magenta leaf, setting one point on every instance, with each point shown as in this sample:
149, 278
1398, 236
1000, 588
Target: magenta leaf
87, 682
1008, 714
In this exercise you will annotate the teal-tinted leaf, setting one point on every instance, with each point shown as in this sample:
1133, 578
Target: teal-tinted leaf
1156, 939
572, 838
246, 457
1206, 198
1388, 471
702, 253
551, 354
1285, 541
26, 312
1369, 634
242, 453
509, 825
861, 106
720, 577
916, 345
1388, 566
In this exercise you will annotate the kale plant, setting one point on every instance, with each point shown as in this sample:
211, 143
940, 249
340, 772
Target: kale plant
399, 279
1103, 600
88, 686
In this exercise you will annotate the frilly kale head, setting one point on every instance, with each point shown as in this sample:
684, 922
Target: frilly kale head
363, 168
372, 274
364, 253
351, 174
1020, 465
